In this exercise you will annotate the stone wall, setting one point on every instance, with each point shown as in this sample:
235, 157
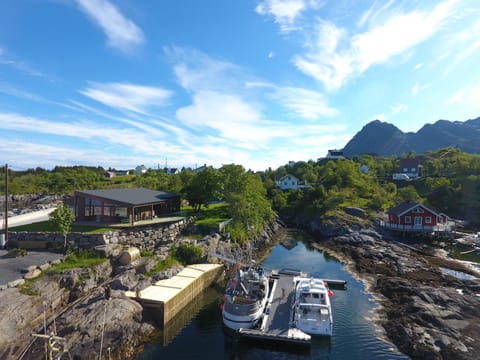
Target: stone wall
144, 237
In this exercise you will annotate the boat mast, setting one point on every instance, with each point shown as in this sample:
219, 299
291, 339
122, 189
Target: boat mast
5, 215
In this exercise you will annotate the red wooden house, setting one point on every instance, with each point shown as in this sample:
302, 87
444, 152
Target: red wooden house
412, 216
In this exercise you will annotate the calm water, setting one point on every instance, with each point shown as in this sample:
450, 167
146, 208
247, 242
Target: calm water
354, 335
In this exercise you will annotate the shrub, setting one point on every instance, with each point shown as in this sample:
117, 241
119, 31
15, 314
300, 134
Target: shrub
187, 254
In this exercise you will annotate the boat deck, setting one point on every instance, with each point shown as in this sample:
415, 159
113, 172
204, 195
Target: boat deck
276, 324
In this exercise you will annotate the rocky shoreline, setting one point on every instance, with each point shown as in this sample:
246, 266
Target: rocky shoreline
426, 313
88, 307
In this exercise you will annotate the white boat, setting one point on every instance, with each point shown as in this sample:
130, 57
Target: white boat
312, 308
245, 298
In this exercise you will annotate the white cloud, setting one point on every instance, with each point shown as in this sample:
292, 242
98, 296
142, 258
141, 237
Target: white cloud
469, 95
398, 108
121, 32
305, 103
140, 140
125, 96
228, 115
419, 87
286, 12
196, 71
418, 66
373, 12
333, 58
12, 61
380, 117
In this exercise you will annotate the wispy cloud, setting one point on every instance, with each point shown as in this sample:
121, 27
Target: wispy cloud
196, 71
305, 103
143, 140
470, 95
419, 87
395, 109
122, 33
418, 66
333, 57
230, 103
125, 96
372, 14
11, 90
10, 60
228, 115
285, 12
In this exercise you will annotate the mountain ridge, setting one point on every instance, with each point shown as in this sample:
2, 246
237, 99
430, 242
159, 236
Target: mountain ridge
383, 138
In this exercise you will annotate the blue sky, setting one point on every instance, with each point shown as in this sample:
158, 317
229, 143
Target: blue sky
119, 83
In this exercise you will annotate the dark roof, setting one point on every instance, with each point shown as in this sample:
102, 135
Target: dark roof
409, 162
402, 207
131, 196
406, 206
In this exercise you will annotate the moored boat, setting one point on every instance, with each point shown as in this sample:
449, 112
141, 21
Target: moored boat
245, 298
312, 308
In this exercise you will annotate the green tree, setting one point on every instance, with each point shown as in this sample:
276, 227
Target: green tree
204, 186
62, 218
408, 193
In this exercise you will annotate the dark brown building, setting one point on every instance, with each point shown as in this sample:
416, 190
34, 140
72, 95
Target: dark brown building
123, 205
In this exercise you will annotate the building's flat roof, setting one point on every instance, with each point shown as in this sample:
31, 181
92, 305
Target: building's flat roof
130, 196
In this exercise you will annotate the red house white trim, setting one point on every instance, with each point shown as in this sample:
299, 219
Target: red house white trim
411, 216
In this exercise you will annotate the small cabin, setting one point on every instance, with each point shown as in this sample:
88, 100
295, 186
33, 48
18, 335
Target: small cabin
412, 216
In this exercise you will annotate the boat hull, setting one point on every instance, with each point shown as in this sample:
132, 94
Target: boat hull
236, 322
313, 328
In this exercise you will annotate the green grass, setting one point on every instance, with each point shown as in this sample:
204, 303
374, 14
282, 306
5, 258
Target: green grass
27, 288
46, 226
78, 259
161, 265
210, 215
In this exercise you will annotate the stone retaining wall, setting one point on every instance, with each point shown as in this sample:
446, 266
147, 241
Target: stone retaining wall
145, 237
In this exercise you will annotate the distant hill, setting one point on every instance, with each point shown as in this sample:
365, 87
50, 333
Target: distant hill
386, 139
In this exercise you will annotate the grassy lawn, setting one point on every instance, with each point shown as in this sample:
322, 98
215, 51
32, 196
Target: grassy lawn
78, 259
46, 226
210, 215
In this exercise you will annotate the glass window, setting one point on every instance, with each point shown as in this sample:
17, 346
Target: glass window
408, 220
428, 220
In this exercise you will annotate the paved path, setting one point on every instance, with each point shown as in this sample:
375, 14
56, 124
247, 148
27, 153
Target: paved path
11, 268
28, 218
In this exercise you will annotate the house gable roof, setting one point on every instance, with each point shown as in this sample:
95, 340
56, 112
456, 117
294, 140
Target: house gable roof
130, 196
405, 207
288, 176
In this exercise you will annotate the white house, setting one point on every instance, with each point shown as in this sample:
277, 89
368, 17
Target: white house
288, 182
140, 169
171, 171
335, 154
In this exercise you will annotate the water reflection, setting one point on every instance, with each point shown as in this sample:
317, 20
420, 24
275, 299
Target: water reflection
354, 335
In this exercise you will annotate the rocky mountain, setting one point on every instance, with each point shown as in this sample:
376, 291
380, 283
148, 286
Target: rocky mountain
386, 139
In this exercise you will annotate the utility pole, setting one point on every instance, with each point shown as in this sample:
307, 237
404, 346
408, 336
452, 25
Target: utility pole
6, 205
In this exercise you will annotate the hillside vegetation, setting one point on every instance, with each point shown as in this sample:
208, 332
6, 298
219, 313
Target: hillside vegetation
450, 183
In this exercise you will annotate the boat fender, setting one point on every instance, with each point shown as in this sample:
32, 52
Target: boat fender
330, 293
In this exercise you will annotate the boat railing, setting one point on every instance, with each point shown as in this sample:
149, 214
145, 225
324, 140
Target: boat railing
241, 308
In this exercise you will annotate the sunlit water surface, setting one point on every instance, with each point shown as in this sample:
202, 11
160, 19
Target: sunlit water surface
354, 334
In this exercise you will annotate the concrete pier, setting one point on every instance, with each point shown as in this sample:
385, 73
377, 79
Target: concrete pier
170, 296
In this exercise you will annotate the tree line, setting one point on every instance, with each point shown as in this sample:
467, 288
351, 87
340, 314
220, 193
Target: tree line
450, 183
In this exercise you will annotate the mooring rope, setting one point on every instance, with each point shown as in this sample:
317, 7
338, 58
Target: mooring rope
103, 330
